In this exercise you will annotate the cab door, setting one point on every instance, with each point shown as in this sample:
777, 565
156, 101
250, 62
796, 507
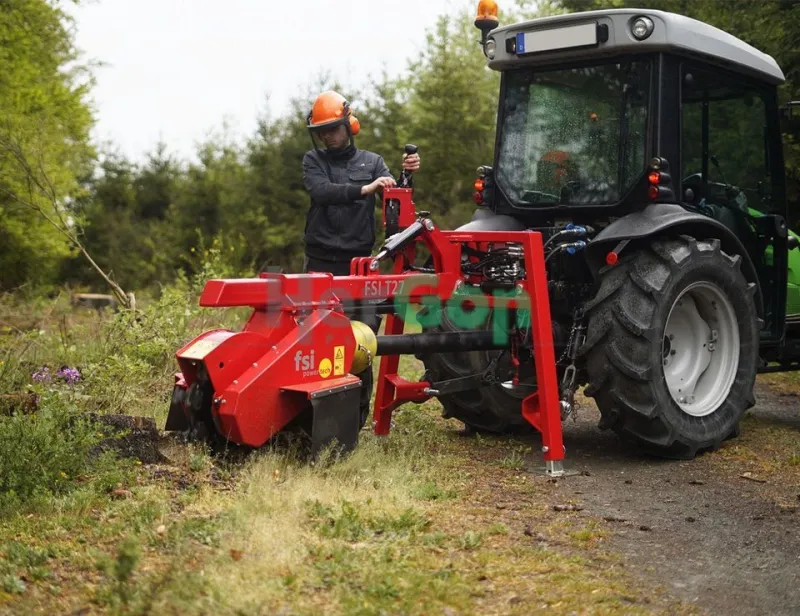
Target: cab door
732, 171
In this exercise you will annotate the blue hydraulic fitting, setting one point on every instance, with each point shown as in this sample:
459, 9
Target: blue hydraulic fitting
574, 247
574, 229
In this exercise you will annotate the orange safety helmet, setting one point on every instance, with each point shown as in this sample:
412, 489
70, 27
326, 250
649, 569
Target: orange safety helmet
332, 109
560, 162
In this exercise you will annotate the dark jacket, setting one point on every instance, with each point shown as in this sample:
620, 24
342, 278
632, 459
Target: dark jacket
341, 222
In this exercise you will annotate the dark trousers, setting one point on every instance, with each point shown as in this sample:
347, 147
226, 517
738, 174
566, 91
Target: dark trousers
365, 314
337, 268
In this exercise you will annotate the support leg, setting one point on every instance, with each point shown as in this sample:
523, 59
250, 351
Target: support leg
387, 391
554, 468
542, 409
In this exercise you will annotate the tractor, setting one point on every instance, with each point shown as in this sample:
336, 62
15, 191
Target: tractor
630, 236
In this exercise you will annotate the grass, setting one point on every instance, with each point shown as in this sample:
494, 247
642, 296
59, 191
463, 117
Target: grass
787, 383
424, 521
768, 448
515, 459
404, 525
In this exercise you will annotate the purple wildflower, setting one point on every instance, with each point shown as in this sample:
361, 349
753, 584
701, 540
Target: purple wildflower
70, 375
42, 375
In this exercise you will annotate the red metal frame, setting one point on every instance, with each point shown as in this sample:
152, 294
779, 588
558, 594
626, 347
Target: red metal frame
296, 313
407, 214
541, 409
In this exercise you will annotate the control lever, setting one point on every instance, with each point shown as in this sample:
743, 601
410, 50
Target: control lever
405, 176
392, 206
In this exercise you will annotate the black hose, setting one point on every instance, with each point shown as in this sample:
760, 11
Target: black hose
576, 246
441, 342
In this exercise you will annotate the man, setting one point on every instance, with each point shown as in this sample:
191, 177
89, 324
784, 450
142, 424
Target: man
342, 181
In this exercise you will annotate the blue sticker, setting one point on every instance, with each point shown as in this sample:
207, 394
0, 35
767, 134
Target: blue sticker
520, 43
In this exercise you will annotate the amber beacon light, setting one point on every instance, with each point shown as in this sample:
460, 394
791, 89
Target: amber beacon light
486, 21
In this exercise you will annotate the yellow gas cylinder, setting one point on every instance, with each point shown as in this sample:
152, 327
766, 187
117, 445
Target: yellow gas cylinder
366, 346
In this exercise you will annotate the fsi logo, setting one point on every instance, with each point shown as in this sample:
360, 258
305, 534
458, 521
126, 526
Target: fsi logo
304, 362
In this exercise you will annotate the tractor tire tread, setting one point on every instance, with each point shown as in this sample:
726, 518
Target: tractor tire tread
620, 339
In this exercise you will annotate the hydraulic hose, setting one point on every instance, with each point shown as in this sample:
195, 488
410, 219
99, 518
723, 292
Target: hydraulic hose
440, 342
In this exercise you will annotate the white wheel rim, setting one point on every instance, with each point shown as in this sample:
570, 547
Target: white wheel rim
700, 349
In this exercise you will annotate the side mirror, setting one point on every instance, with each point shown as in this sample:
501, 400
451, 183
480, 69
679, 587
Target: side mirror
790, 110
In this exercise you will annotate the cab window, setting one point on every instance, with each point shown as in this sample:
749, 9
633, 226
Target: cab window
725, 159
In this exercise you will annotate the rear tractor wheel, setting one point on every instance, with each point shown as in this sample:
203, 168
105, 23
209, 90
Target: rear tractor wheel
672, 346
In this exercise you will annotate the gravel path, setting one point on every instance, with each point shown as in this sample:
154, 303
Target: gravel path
727, 544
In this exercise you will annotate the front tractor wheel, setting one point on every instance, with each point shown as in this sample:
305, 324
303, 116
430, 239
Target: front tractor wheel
672, 346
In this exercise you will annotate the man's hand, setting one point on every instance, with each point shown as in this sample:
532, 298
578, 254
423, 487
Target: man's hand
379, 184
411, 162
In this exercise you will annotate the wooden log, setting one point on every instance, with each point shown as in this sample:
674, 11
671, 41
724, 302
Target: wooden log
96, 301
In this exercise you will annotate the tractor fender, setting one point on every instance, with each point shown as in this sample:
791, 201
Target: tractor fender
660, 217
486, 220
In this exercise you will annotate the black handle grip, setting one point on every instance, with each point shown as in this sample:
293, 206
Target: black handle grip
405, 176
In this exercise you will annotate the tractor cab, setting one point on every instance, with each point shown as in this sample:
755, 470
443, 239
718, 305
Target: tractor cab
589, 100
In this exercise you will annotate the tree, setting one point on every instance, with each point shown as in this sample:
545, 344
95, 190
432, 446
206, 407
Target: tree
274, 156
386, 116
44, 139
451, 111
111, 228
156, 184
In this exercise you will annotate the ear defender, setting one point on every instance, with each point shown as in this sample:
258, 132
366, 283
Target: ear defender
355, 125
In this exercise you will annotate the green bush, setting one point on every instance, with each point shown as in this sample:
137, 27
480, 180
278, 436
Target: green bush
45, 452
126, 362
152, 335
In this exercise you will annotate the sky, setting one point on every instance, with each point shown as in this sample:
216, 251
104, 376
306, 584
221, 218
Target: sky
176, 70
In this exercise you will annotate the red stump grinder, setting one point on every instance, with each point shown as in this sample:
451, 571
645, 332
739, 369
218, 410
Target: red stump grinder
298, 355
